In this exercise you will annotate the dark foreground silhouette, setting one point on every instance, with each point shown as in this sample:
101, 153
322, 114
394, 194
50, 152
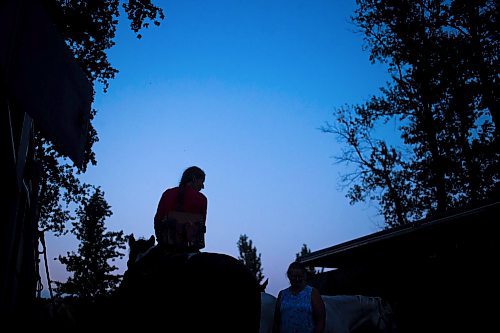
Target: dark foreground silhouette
202, 292
193, 292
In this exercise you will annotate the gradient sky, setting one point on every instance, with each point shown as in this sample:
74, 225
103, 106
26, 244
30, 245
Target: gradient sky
240, 89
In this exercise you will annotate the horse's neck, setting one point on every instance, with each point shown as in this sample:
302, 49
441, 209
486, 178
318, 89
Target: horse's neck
356, 310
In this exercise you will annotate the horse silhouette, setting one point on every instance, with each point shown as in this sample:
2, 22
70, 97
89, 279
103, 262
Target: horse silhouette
344, 314
189, 292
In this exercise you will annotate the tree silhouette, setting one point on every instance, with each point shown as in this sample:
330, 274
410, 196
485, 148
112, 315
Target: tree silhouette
88, 28
311, 271
90, 266
248, 256
442, 60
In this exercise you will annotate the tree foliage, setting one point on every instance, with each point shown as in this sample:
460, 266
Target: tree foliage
311, 271
92, 272
442, 58
248, 256
88, 28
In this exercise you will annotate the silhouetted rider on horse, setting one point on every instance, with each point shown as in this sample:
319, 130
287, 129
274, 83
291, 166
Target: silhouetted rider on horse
181, 214
175, 286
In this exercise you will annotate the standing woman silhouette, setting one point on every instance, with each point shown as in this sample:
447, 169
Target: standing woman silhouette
299, 308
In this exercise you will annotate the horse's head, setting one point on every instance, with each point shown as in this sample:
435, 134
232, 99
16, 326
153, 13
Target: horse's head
137, 248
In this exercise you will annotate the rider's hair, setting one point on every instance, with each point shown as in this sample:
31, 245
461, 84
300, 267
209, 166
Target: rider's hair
296, 265
191, 173
188, 175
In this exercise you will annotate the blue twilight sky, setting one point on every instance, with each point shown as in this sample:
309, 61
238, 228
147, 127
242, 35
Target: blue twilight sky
240, 89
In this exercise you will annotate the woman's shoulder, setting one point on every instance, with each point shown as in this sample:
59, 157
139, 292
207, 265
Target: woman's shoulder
283, 291
200, 197
312, 290
171, 189
315, 294
169, 192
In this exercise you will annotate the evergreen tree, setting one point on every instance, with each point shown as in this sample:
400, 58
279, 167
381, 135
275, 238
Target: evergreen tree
311, 271
248, 256
90, 266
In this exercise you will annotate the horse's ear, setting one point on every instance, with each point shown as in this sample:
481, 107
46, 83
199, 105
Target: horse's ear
263, 286
131, 239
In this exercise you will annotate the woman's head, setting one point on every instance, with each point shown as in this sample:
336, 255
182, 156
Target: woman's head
193, 176
297, 274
